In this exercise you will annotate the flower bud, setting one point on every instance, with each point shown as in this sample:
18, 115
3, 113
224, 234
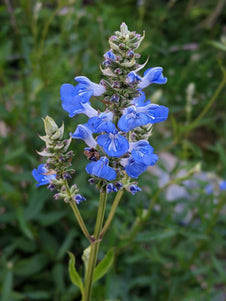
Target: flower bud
124, 29
50, 126
118, 71
115, 98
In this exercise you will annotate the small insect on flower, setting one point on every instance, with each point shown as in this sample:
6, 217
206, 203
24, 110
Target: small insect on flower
91, 154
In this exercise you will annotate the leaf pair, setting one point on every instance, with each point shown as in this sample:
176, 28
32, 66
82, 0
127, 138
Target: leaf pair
100, 270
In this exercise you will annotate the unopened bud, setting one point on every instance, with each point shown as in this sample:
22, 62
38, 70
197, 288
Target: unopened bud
115, 98
124, 29
50, 126
118, 71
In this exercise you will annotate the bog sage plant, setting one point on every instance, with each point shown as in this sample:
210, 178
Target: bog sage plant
117, 148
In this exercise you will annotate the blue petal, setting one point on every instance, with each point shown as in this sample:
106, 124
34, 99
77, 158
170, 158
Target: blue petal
155, 75
114, 145
132, 78
101, 169
222, 185
40, 177
143, 153
109, 55
134, 169
157, 113
101, 123
84, 132
140, 100
131, 120
97, 89
73, 98
152, 76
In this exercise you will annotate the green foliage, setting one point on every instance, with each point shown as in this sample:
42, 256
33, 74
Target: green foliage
74, 275
103, 266
47, 43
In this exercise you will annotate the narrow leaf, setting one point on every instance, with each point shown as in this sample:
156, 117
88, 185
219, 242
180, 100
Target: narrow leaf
74, 275
7, 286
104, 265
23, 224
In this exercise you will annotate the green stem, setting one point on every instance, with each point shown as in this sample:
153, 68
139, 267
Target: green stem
95, 247
80, 220
77, 213
112, 212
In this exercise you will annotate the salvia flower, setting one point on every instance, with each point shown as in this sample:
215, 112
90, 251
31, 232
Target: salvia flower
41, 175
101, 169
222, 185
134, 188
131, 119
73, 98
78, 198
133, 78
155, 113
109, 55
83, 132
102, 123
117, 135
143, 152
152, 76
111, 188
140, 101
133, 168
96, 89
114, 144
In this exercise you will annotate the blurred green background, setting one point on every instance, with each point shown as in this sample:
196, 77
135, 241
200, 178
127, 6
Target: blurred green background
44, 44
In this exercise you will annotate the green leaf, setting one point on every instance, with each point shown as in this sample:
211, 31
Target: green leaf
23, 224
66, 244
218, 266
102, 268
218, 45
31, 266
7, 286
74, 275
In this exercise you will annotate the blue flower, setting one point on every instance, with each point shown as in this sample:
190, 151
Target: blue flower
140, 100
75, 100
133, 78
208, 189
113, 144
155, 113
79, 198
96, 89
132, 119
152, 76
84, 132
102, 123
41, 176
109, 55
133, 168
222, 185
101, 169
111, 188
134, 188
119, 185
143, 152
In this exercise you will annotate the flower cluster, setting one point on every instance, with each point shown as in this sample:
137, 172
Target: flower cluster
117, 138
57, 169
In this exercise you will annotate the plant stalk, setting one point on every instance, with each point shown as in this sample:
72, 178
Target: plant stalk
77, 214
94, 247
